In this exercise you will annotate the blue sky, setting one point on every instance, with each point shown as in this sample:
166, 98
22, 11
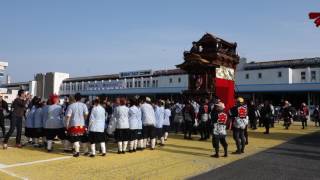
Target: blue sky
85, 37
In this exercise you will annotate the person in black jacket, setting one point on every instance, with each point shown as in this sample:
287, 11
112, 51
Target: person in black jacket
18, 111
252, 113
286, 114
267, 115
3, 109
316, 116
188, 116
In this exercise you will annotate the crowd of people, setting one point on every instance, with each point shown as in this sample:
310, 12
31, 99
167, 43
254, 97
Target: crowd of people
138, 123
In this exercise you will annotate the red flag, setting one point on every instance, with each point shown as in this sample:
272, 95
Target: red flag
317, 22
314, 15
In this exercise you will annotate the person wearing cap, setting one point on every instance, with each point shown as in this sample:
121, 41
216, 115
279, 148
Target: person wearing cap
76, 115
303, 114
149, 120
3, 111
52, 116
286, 114
18, 111
239, 114
219, 120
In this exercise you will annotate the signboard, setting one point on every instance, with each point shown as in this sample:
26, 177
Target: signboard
105, 85
135, 73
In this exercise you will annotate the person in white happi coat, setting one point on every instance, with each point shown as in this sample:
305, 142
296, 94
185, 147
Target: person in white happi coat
166, 122
121, 117
134, 124
178, 117
160, 113
53, 125
29, 123
76, 115
97, 128
149, 121
38, 124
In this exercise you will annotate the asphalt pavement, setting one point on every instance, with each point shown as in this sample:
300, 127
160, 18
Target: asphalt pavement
298, 159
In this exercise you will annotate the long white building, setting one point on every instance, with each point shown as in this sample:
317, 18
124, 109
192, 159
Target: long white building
148, 82
297, 80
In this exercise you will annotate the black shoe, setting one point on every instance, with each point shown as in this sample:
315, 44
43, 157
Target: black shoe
152, 149
130, 151
237, 152
92, 156
134, 150
49, 150
215, 155
119, 152
161, 144
225, 155
247, 143
123, 152
86, 154
242, 151
76, 155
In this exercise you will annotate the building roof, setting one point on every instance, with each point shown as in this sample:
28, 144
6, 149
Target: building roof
292, 63
15, 85
117, 76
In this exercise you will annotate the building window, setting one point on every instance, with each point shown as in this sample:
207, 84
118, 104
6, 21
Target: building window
259, 75
139, 83
279, 74
127, 84
153, 83
303, 75
148, 83
130, 84
247, 76
313, 75
135, 84
144, 84
170, 80
179, 80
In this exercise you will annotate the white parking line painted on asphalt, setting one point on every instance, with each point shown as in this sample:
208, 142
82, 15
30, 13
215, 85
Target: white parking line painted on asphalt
13, 174
2, 166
